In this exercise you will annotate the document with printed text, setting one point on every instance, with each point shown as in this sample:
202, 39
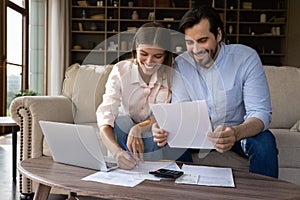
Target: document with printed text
208, 176
131, 178
188, 123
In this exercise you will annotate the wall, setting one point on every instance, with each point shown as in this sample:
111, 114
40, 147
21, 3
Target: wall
293, 37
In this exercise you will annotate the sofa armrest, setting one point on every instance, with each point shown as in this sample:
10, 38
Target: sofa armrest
27, 111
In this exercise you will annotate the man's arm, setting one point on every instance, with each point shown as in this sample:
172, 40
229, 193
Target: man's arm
224, 137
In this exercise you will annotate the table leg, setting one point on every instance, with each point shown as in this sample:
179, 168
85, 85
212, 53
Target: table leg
14, 152
42, 192
72, 196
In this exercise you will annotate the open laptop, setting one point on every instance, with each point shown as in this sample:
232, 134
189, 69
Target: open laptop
75, 144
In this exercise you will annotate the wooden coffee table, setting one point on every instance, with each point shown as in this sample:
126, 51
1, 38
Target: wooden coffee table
49, 174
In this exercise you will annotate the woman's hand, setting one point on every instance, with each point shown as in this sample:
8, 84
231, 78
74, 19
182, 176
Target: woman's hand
124, 160
135, 142
159, 135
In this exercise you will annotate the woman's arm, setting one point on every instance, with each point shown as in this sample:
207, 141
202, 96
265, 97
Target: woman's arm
135, 141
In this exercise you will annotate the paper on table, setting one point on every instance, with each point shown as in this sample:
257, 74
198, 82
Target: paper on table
187, 123
211, 176
131, 178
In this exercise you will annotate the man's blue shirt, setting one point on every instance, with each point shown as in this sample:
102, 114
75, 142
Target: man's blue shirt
235, 87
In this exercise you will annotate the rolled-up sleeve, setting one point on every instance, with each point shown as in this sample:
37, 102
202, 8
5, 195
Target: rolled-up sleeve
256, 92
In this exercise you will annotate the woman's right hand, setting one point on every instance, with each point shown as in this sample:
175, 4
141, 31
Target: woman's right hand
124, 160
159, 135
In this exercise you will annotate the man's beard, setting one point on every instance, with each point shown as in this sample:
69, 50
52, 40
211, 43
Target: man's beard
208, 58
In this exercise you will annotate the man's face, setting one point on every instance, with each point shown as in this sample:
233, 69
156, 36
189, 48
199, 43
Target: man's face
202, 44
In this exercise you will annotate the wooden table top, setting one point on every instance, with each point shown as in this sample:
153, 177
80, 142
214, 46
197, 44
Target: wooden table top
7, 121
248, 185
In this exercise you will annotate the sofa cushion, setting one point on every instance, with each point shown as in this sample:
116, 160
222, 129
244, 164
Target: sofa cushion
288, 144
283, 82
70, 77
89, 87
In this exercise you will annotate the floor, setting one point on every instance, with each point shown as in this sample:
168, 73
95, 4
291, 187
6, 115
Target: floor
8, 190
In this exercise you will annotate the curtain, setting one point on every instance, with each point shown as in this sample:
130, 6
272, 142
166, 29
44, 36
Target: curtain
58, 44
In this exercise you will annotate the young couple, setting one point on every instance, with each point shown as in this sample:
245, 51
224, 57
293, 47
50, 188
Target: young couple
230, 78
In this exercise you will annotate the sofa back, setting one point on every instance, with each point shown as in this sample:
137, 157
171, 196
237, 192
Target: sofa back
284, 83
85, 86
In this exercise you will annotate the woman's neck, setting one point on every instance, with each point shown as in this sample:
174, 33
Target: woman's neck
146, 78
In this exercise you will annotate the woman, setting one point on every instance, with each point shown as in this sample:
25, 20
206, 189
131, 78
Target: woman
124, 116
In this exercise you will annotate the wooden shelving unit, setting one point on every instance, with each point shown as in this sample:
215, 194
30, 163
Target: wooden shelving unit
267, 37
93, 32
93, 27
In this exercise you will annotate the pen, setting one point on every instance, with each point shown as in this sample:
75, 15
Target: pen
127, 150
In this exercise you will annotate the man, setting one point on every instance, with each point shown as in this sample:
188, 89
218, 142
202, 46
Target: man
232, 80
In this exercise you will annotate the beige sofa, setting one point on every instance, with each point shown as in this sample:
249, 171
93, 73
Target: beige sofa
82, 93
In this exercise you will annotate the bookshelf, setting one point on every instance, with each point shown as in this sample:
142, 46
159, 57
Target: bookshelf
102, 31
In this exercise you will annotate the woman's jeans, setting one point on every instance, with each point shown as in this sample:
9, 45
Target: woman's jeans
121, 129
262, 153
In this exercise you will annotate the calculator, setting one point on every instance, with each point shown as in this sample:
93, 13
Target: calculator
166, 173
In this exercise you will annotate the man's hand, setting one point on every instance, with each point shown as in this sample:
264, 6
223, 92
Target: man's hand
159, 135
223, 138
135, 142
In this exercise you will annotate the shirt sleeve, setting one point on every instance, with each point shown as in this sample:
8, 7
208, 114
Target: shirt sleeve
108, 110
256, 91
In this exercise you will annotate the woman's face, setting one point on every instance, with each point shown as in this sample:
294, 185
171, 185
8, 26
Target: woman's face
150, 58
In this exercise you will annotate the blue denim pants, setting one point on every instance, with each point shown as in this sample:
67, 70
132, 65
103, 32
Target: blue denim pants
262, 153
121, 129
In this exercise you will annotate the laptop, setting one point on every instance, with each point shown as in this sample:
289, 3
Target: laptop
75, 144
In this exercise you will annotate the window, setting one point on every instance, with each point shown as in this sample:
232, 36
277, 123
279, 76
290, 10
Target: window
14, 54
25, 48
16, 38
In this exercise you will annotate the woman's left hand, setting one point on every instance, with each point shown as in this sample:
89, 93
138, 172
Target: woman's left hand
135, 142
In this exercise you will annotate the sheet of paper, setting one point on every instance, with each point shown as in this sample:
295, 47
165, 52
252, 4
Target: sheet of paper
187, 123
211, 176
188, 179
131, 178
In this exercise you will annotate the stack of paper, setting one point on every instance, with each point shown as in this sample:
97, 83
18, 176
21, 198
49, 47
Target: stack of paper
131, 178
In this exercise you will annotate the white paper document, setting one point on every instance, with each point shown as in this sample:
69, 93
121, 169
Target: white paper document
187, 123
209, 176
131, 178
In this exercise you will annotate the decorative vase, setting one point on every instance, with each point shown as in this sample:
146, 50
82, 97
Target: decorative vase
230, 29
135, 15
130, 3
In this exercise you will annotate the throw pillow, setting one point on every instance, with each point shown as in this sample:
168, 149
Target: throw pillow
296, 127
70, 77
88, 90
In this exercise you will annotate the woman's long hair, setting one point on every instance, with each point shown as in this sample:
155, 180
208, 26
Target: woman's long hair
155, 33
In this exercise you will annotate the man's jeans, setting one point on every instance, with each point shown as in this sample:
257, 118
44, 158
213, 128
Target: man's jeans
262, 153
121, 129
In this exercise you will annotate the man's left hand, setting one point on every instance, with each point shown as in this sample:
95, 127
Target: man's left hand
223, 138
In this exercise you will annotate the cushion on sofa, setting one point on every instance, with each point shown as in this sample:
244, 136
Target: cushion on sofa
296, 127
87, 91
288, 144
70, 77
283, 82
